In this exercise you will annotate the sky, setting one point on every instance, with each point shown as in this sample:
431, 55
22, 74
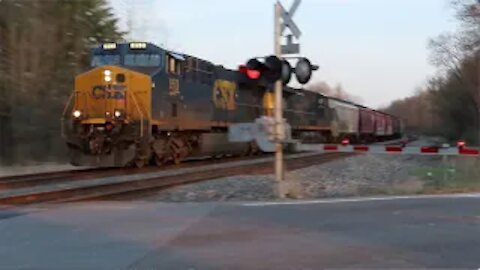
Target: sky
376, 49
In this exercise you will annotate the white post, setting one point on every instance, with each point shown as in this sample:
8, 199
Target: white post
478, 83
279, 169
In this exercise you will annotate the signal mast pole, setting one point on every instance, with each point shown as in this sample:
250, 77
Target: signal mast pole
478, 85
279, 166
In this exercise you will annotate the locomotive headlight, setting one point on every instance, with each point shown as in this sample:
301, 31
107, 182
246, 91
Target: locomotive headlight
107, 75
77, 113
138, 45
118, 113
109, 46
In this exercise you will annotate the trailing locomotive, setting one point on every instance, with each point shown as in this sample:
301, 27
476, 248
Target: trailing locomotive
139, 103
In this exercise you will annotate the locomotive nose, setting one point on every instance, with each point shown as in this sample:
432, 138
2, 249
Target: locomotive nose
102, 94
110, 94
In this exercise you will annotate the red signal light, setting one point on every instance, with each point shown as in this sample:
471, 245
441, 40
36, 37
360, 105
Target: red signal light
461, 144
252, 74
345, 142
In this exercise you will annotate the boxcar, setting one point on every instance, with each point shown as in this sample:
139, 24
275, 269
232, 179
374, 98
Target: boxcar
388, 125
366, 124
380, 123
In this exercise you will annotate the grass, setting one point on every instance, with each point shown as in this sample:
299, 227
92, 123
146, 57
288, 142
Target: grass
449, 178
458, 177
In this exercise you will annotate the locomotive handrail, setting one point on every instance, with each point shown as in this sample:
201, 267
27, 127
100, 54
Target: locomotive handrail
139, 111
62, 119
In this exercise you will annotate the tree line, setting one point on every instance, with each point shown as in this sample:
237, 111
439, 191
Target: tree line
43, 45
448, 104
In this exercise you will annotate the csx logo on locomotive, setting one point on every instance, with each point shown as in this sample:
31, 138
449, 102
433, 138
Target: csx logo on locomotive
224, 94
104, 92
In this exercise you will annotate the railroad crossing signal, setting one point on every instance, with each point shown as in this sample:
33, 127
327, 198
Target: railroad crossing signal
290, 47
287, 19
270, 69
303, 70
274, 68
286, 72
287, 22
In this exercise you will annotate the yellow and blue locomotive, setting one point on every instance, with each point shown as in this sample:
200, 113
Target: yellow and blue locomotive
140, 103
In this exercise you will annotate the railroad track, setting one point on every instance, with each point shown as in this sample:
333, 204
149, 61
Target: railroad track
136, 185
116, 183
25, 180
38, 179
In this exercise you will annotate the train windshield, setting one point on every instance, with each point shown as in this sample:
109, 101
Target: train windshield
143, 60
101, 60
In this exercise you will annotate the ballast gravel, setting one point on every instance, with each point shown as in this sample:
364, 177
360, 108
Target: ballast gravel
354, 176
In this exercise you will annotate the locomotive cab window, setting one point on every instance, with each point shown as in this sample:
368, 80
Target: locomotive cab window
143, 60
105, 59
174, 63
173, 66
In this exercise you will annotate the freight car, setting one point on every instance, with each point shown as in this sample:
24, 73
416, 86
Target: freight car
139, 103
367, 125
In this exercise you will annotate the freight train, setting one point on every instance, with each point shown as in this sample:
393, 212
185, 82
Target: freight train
139, 103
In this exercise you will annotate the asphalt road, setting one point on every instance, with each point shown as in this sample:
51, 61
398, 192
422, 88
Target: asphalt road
428, 232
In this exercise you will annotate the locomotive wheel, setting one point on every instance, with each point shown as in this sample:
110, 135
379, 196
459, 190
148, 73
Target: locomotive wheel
159, 152
178, 149
177, 160
143, 155
139, 163
158, 161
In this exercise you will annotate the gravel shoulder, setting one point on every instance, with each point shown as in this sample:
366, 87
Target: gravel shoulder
359, 175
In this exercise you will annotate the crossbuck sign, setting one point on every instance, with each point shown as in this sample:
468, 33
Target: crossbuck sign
287, 22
